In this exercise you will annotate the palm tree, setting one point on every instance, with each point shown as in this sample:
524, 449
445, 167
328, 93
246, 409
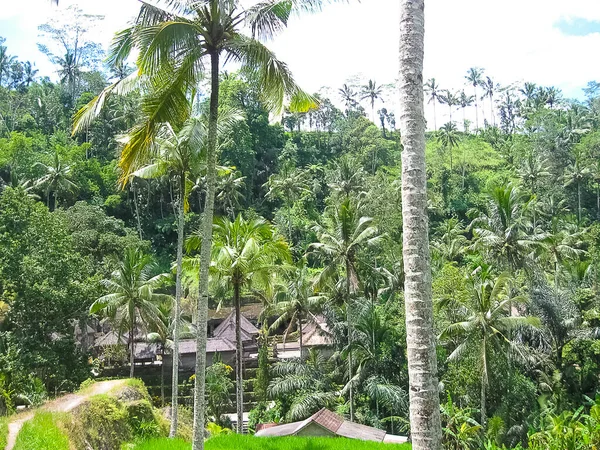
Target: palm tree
69, 72
576, 173
296, 303
177, 155
489, 90
345, 234
347, 178
425, 421
486, 327
244, 255
474, 77
132, 299
561, 243
532, 171
348, 96
450, 99
230, 194
449, 138
289, 184
552, 96
433, 89
371, 92
465, 101
56, 179
503, 231
173, 43
309, 382
29, 73
6, 61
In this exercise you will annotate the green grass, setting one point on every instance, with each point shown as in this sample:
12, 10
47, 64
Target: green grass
236, 442
42, 433
3, 431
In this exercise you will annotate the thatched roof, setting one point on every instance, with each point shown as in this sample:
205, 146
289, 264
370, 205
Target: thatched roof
226, 329
250, 311
213, 345
335, 425
110, 338
317, 334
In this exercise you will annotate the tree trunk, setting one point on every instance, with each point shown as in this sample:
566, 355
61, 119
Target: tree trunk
131, 344
483, 404
239, 356
162, 378
301, 344
426, 430
177, 306
578, 203
211, 161
137, 211
434, 117
476, 109
350, 340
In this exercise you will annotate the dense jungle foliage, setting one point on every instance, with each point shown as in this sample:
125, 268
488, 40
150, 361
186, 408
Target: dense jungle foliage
514, 208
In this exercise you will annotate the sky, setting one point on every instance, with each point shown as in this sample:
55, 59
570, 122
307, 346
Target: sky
548, 42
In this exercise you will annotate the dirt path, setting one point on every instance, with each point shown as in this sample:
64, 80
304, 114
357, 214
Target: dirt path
61, 404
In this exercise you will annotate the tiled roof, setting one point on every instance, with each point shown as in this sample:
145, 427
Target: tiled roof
328, 419
336, 425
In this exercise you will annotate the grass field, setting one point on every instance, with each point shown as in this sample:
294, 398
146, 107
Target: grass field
3, 431
236, 442
42, 433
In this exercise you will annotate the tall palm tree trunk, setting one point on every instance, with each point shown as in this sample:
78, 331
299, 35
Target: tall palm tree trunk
131, 343
301, 343
578, 203
483, 405
350, 340
434, 117
239, 356
211, 162
476, 109
137, 210
177, 307
162, 378
426, 430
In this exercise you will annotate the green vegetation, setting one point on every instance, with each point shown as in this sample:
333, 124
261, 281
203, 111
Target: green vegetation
43, 432
3, 431
100, 231
231, 442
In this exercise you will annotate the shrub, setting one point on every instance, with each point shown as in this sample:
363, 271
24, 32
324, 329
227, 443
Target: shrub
3, 431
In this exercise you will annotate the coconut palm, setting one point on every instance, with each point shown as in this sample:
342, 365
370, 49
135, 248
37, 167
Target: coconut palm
475, 77
503, 231
230, 189
69, 72
371, 92
244, 255
296, 304
347, 178
575, 174
449, 98
178, 156
309, 382
132, 299
174, 42
56, 179
433, 89
345, 233
532, 171
489, 89
6, 62
449, 138
449, 240
487, 324
29, 73
465, 101
289, 184
562, 243
425, 424
348, 96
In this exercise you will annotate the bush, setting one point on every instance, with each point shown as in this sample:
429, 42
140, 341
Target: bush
42, 433
101, 423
